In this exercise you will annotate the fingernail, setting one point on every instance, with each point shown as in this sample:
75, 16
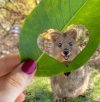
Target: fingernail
29, 67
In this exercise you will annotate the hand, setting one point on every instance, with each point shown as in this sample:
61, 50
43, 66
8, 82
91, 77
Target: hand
14, 77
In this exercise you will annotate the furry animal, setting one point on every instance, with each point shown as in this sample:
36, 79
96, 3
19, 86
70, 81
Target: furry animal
64, 48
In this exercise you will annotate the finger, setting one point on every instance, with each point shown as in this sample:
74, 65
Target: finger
19, 79
20, 98
7, 64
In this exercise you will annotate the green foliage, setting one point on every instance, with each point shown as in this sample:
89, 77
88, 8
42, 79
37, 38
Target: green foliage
58, 14
40, 90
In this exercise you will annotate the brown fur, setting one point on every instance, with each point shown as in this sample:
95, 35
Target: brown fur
63, 47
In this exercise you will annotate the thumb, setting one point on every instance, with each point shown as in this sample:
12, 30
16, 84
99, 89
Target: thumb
20, 98
18, 79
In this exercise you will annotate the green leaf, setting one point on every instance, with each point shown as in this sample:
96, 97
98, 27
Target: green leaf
58, 14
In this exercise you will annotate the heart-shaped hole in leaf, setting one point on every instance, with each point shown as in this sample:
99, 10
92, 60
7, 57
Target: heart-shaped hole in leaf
58, 14
63, 46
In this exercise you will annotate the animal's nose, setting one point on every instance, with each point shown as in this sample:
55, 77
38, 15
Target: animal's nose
66, 52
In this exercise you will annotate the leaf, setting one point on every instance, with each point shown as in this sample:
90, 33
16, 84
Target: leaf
58, 14
89, 17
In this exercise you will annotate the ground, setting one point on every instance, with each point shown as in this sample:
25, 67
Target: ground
8, 44
39, 90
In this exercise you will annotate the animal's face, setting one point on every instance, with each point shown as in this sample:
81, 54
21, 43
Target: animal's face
61, 46
65, 46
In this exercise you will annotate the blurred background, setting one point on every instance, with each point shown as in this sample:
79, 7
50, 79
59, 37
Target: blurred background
12, 16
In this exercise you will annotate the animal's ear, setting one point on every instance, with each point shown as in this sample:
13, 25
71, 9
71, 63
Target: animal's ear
72, 33
55, 35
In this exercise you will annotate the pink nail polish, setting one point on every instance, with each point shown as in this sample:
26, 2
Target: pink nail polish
29, 67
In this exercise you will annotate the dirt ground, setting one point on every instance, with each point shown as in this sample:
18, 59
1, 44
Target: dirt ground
9, 44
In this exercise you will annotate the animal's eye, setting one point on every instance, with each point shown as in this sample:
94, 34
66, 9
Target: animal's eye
60, 45
70, 44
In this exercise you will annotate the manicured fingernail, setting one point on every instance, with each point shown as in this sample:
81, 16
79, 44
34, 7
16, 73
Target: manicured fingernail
29, 66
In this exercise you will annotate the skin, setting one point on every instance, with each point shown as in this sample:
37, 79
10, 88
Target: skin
13, 80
